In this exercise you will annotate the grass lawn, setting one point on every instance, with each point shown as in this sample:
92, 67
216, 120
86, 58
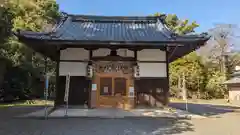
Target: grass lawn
37, 102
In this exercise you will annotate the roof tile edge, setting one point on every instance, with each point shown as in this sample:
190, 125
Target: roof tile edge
110, 19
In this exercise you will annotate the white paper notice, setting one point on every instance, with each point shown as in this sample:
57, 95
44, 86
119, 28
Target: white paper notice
94, 87
159, 90
131, 89
105, 89
131, 92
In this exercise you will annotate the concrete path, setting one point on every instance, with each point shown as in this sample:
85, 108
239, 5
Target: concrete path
112, 113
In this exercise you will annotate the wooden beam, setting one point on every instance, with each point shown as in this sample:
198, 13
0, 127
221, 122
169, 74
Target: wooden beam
74, 61
112, 58
152, 61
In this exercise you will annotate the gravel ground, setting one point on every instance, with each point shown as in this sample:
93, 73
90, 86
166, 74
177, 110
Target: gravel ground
223, 124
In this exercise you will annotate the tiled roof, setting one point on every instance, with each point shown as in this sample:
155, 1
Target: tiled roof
233, 80
236, 74
111, 29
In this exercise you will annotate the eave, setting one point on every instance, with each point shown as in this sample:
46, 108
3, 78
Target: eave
50, 48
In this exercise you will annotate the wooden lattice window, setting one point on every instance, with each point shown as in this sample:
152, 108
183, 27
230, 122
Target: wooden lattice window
120, 86
105, 86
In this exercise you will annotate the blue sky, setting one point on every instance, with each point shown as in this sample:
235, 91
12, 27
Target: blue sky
205, 12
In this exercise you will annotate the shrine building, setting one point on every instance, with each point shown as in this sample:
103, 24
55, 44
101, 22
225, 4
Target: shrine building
112, 61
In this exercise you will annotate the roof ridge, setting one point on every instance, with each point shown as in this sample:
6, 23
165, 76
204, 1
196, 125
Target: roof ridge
100, 18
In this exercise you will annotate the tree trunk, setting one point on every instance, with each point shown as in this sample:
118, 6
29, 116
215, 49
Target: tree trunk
184, 87
3, 68
179, 94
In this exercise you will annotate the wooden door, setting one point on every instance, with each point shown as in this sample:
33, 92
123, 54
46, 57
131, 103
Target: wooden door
112, 91
120, 86
78, 92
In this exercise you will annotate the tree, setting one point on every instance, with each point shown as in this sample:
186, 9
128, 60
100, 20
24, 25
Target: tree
5, 23
214, 87
179, 26
204, 71
220, 58
190, 65
193, 70
34, 15
5, 30
220, 45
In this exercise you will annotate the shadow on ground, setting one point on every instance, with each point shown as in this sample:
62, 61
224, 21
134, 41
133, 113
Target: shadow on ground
204, 109
97, 126
160, 126
12, 111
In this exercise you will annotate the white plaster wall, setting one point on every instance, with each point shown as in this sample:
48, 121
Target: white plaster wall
152, 70
125, 53
121, 52
101, 52
74, 54
234, 93
74, 68
151, 55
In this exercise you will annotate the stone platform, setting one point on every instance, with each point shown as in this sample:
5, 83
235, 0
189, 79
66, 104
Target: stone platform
75, 112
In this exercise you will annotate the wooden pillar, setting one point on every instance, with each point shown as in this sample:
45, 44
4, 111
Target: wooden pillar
132, 102
92, 82
93, 93
166, 90
57, 100
89, 93
46, 95
135, 99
